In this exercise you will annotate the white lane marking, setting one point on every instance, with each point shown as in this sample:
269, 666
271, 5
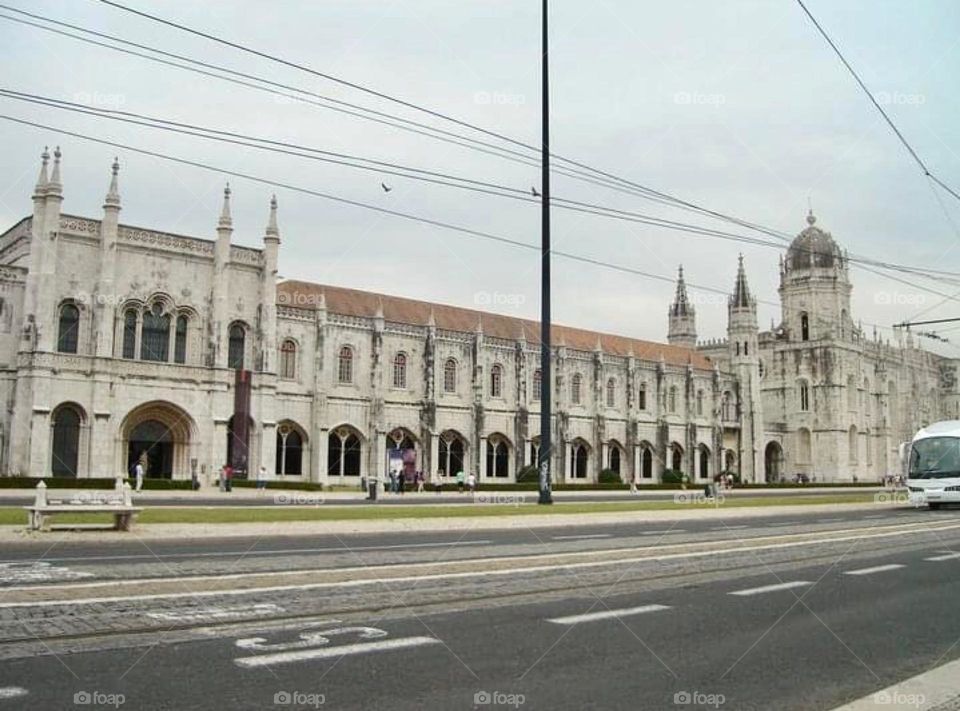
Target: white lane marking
857, 536
37, 572
944, 556
866, 517
247, 554
607, 614
729, 528
302, 655
771, 588
216, 613
582, 537
12, 692
874, 569
660, 533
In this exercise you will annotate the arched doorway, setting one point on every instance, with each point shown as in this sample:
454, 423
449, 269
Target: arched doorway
579, 459
615, 457
66, 423
676, 457
772, 461
344, 452
646, 461
498, 456
402, 453
160, 434
452, 448
703, 454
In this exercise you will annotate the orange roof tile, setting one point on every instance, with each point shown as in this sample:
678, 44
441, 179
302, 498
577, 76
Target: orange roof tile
353, 302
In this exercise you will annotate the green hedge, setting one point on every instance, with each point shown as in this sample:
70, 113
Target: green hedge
608, 476
302, 486
29, 482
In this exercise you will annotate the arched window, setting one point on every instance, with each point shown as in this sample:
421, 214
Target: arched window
642, 397
68, 335
646, 463
130, 333
537, 385
578, 460
575, 389
180, 344
66, 441
614, 463
699, 402
155, 335
498, 458
704, 455
496, 381
611, 393
804, 327
289, 461
450, 454
238, 342
400, 371
288, 359
345, 365
672, 399
804, 396
450, 376
343, 453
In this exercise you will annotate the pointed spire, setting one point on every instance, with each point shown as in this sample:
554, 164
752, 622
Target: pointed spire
113, 192
272, 229
55, 187
432, 319
681, 304
811, 219
42, 179
741, 292
225, 220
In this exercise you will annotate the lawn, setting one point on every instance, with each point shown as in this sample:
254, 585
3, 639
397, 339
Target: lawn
503, 507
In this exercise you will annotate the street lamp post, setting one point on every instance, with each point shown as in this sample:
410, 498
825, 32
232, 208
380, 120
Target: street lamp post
546, 379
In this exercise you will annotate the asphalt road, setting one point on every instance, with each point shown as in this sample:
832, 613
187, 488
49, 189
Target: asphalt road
598, 616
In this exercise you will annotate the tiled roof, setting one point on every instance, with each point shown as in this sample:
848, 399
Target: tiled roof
353, 302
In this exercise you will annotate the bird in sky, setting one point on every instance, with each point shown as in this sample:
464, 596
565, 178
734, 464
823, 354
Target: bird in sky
386, 188
533, 191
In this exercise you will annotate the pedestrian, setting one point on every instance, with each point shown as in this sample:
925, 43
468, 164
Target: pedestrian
438, 481
194, 480
472, 483
138, 475
393, 481
420, 482
226, 476
401, 481
261, 480
460, 481
633, 484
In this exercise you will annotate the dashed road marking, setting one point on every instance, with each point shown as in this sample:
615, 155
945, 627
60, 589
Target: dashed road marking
943, 556
583, 536
302, 655
660, 533
874, 569
772, 588
730, 528
37, 572
217, 613
12, 692
607, 614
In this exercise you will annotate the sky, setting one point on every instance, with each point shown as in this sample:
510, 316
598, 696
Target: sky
737, 106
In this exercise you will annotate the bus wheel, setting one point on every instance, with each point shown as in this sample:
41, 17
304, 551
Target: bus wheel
934, 507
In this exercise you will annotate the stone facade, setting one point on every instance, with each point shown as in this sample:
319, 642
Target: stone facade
120, 344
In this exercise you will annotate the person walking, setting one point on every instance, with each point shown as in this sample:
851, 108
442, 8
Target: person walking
472, 483
460, 481
261, 480
138, 475
633, 484
401, 480
420, 482
393, 481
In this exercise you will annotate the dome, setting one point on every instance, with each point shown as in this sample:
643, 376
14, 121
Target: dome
813, 248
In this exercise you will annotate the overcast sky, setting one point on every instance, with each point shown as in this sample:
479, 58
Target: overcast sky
738, 106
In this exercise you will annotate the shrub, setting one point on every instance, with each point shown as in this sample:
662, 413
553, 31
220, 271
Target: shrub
672, 476
608, 476
529, 473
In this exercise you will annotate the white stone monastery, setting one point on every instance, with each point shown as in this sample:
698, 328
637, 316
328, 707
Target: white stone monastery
120, 343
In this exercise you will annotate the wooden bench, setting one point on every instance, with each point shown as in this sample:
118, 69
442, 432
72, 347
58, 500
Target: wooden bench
117, 502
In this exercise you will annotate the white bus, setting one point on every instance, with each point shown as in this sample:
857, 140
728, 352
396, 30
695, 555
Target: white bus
933, 465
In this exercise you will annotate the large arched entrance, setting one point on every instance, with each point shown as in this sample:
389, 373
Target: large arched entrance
66, 424
772, 461
158, 435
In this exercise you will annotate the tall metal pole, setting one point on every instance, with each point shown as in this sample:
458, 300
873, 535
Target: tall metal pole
546, 378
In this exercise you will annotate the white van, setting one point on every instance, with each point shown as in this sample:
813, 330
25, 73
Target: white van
933, 465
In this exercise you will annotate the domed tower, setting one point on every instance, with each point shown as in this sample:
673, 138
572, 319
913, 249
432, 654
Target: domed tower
815, 287
744, 349
682, 328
